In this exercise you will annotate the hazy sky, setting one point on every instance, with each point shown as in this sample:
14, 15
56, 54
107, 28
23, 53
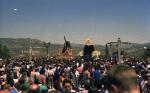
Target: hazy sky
100, 20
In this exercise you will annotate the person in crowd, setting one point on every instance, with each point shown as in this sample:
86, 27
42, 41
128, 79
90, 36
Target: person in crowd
74, 78
33, 74
50, 74
10, 74
86, 78
43, 88
42, 77
34, 88
9, 89
122, 79
67, 85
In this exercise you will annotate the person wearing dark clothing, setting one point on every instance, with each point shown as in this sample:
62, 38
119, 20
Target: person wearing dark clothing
10, 74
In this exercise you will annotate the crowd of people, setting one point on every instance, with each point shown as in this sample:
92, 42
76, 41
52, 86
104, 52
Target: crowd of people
51, 75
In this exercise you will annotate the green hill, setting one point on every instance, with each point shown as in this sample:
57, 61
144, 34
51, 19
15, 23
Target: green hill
20, 42
17, 45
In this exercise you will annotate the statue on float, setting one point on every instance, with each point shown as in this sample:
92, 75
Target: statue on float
89, 52
66, 52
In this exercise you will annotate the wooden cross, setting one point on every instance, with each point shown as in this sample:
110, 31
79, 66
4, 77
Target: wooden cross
118, 44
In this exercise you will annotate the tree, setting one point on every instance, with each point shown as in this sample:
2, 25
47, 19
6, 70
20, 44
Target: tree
4, 52
146, 52
106, 52
0, 50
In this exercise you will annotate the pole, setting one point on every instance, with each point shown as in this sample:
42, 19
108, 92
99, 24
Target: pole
30, 53
119, 51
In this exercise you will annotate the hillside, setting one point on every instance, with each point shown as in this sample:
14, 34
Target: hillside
13, 43
17, 45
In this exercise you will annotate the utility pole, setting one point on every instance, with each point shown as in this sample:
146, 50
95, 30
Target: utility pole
30, 53
118, 44
47, 47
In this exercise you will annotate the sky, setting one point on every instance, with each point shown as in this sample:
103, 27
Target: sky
101, 20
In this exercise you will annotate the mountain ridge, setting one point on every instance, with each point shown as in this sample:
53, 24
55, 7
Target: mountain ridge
18, 44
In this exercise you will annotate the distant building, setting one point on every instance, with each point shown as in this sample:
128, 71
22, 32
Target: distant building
27, 53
